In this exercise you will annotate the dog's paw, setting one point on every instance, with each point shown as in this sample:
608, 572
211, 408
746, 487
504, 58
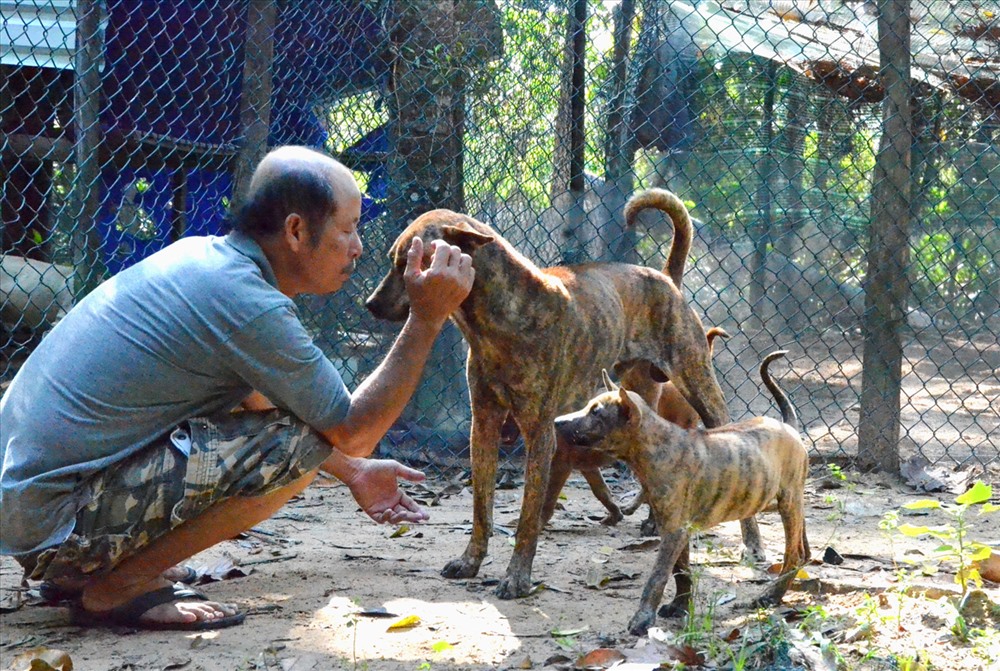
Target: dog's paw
460, 568
648, 527
641, 622
513, 587
673, 609
612, 518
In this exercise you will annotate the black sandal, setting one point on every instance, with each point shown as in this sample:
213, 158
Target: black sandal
129, 615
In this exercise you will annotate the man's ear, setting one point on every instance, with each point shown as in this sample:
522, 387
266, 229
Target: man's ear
296, 232
629, 409
466, 239
608, 384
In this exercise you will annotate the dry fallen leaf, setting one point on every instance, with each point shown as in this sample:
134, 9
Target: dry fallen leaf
989, 568
42, 659
601, 658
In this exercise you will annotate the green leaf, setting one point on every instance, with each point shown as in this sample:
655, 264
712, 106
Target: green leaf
441, 646
942, 549
922, 503
988, 508
979, 493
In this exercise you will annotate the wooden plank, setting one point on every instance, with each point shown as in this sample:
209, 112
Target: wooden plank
118, 150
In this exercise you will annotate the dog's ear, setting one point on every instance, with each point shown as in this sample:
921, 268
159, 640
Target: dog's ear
657, 374
608, 384
629, 409
466, 239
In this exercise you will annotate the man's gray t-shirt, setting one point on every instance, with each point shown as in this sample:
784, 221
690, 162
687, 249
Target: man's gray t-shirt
187, 332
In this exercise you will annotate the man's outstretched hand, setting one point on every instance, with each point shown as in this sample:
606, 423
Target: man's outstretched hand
374, 486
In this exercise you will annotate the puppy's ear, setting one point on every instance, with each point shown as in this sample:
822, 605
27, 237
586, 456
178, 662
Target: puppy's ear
466, 239
608, 384
629, 408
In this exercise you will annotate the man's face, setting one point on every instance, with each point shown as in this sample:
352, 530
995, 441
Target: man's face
329, 262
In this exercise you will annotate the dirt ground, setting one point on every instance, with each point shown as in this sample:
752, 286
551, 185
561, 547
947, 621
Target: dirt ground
312, 579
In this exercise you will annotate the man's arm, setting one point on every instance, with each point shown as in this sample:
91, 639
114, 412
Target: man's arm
434, 294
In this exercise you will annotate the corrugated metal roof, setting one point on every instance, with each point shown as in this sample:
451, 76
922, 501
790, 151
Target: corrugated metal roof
40, 34
955, 45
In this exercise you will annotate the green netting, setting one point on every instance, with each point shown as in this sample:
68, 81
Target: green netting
128, 125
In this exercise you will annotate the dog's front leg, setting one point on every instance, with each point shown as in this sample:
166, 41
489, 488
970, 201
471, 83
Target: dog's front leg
540, 441
487, 421
671, 546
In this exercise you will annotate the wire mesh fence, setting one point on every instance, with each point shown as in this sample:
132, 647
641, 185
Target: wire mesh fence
129, 124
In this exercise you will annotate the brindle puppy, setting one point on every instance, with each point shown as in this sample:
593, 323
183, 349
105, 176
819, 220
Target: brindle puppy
538, 340
669, 404
699, 478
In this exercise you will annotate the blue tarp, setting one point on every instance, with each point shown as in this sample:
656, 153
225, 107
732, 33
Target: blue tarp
174, 69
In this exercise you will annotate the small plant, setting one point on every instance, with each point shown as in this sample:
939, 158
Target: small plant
904, 577
352, 622
957, 547
838, 515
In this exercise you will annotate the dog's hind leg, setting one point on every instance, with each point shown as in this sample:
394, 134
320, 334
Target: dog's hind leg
487, 419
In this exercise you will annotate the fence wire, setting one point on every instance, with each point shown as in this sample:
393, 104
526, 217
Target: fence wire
129, 124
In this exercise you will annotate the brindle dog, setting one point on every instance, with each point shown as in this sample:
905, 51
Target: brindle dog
538, 340
700, 478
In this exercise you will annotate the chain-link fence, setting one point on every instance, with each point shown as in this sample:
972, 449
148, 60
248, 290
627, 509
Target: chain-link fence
844, 185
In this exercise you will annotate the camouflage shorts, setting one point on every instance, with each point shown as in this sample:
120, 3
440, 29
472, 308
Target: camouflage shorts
203, 461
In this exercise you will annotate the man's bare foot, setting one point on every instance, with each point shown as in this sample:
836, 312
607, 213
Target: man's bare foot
69, 589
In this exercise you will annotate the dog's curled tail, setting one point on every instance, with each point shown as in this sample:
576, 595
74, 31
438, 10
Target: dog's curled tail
788, 415
673, 206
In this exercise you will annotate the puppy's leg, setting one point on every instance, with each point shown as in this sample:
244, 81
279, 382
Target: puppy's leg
753, 546
671, 546
678, 606
635, 503
600, 489
790, 507
540, 441
486, 423
558, 475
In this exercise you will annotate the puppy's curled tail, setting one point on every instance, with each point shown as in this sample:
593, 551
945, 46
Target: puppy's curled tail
713, 333
788, 415
667, 202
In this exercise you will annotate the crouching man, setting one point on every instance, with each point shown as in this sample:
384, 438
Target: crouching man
182, 402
